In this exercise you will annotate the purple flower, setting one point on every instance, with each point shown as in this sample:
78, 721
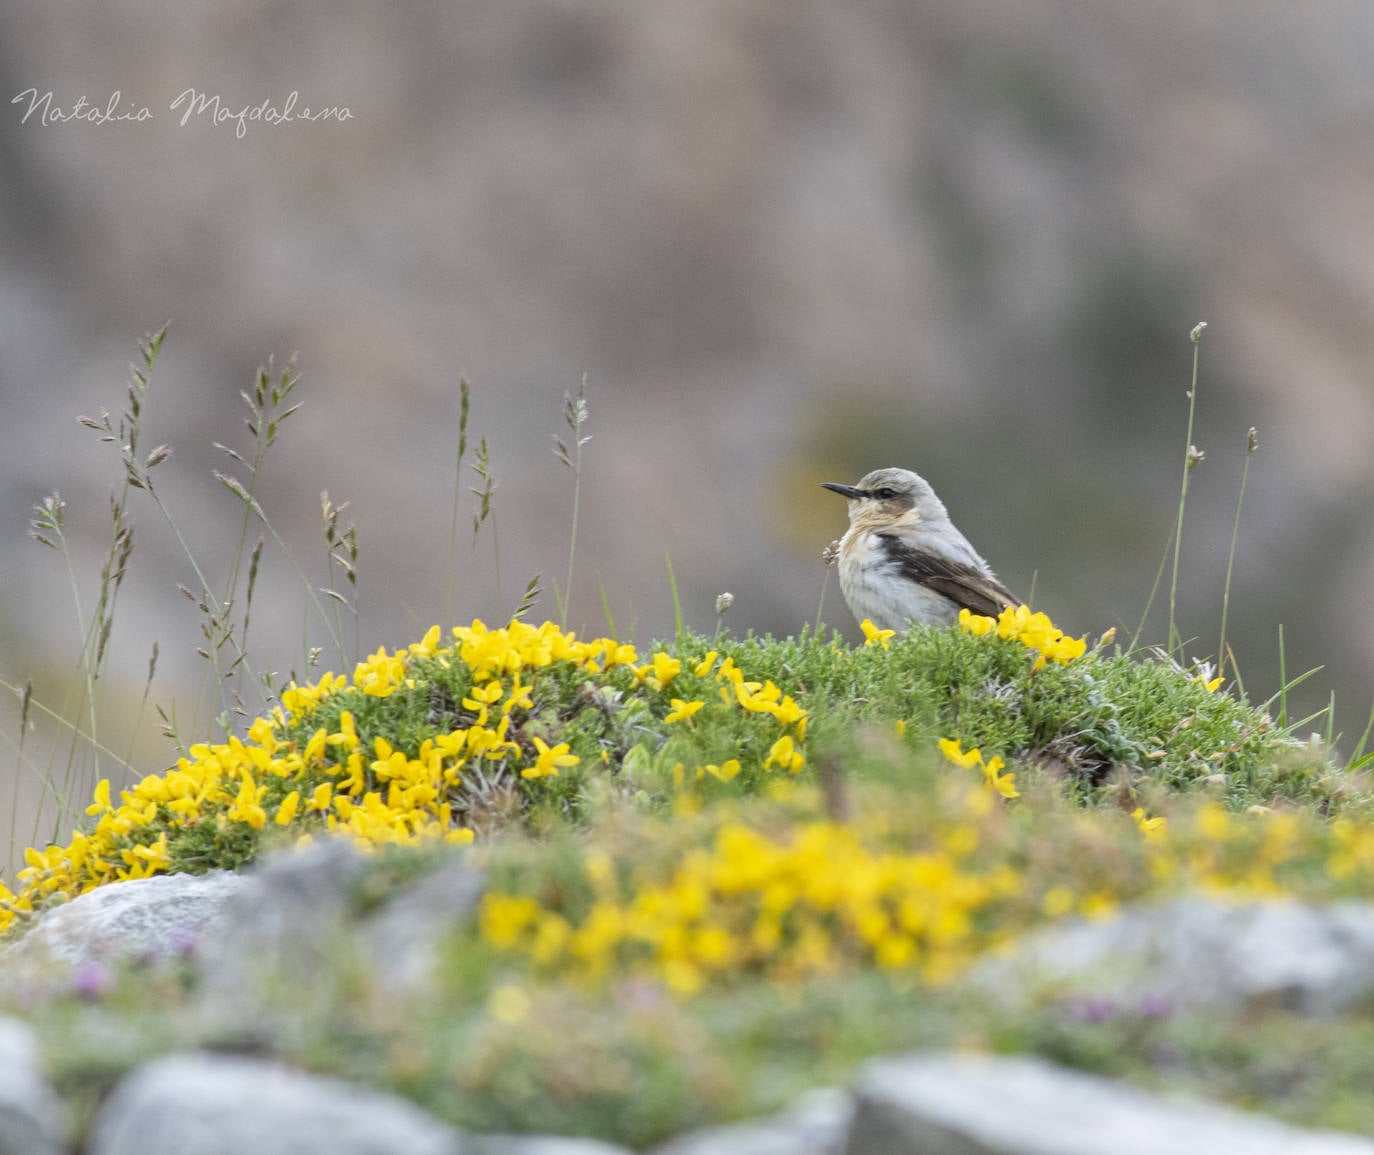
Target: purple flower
1155, 1005
92, 981
1091, 1009
182, 942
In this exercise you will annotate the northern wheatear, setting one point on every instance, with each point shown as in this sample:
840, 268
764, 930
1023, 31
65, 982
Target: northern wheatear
903, 561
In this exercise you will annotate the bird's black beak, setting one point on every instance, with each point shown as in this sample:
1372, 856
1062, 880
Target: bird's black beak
843, 490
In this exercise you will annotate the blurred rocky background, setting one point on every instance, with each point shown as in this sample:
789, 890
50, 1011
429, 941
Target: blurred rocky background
786, 243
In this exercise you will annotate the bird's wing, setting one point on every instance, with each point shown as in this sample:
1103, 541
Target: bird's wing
965, 584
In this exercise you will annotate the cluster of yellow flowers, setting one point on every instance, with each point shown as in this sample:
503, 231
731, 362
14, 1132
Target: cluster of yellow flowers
823, 898
284, 774
925, 896
1035, 631
735, 691
1003, 784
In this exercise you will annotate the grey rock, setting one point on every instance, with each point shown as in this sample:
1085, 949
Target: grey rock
1203, 952
817, 1124
162, 915
971, 1105
287, 954
298, 937
201, 1104
404, 933
288, 917
541, 1145
30, 1114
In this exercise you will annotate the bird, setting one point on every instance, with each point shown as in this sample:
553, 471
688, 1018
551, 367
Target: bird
902, 560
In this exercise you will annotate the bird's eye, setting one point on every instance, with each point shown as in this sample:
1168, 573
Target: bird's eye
886, 493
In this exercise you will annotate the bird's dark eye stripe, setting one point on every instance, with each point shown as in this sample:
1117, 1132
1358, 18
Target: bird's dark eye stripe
885, 493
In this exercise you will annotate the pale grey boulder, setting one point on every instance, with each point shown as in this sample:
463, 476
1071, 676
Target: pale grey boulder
1201, 952
30, 1113
144, 918
981, 1105
541, 1145
302, 933
817, 1124
200, 1104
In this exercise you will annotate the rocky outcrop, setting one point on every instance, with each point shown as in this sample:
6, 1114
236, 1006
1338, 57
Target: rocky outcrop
1202, 952
974, 1105
143, 918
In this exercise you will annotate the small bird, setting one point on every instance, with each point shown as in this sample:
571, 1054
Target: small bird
902, 560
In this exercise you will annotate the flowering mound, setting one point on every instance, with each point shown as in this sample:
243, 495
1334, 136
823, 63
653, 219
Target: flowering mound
424, 744
531, 726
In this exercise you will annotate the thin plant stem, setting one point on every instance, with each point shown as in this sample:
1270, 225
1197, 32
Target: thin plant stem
679, 624
1190, 460
820, 608
1252, 443
1359, 757
1150, 601
1283, 683
574, 417
451, 577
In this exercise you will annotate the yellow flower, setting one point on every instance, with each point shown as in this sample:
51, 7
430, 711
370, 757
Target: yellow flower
703, 667
1213, 823
428, 645
787, 711
784, 755
508, 1004
975, 624
102, 798
549, 760
287, 810
481, 697
1058, 901
519, 696
725, 772
663, 670
1098, 906
682, 711
1004, 784
1152, 828
951, 749
873, 634
503, 918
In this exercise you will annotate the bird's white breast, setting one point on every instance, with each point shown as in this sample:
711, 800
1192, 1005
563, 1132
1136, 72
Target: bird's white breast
875, 588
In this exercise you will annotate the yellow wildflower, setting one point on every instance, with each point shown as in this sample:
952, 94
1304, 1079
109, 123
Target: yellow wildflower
975, 624
952, 750
549, 759
873, 634
102, 798
682, 711
663, 670
784, 755
1152, 828
287, 810
508, 1004
1004, 784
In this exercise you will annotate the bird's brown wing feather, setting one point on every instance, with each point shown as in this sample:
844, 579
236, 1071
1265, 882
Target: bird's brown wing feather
967, 585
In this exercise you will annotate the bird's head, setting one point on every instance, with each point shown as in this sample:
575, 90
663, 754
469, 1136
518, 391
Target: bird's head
890, 497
